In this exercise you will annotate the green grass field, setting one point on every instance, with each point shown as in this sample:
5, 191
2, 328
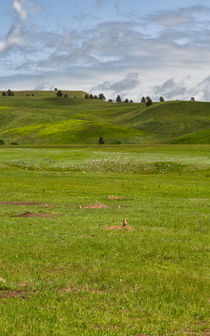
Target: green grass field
66, 274
45, 119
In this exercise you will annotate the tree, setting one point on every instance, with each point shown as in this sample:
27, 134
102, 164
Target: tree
148, 101
101, 96
126, 101
10, 93
131, 101
161, 99
86, 96
2, 142
110, 101
95, 97
143, 100
192, 99
56, 89
4, 94
118, 99
91, 96
101, 140
59, 93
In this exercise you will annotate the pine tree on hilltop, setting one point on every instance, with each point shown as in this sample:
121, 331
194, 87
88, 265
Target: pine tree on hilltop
148, 101
118, 99
101, 96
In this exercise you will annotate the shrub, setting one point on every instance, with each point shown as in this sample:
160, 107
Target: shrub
59, 93
2, 142
101, 141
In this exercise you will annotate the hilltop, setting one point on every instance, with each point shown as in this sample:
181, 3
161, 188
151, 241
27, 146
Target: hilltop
40, 117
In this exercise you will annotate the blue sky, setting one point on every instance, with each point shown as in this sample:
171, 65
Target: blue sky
127, 47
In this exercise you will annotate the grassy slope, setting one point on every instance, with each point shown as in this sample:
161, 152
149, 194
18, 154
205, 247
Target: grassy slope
173, 119
46, 119
200, 137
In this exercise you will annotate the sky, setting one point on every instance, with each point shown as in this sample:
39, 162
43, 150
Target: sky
133, 48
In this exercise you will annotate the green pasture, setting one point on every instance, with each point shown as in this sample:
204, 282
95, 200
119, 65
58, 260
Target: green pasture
65, 275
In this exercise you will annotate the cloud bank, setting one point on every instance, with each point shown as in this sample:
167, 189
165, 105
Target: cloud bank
129, 57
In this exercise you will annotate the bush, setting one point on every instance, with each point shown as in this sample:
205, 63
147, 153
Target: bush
14, 143
2, 142
59, 93
101, 141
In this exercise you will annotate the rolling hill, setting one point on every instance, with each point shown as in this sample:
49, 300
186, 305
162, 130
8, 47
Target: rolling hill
40, 117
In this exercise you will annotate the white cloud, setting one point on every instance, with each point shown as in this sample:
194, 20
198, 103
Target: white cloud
15, 35
14, 38
18, 6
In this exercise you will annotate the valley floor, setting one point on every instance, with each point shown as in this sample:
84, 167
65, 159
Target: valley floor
68, 267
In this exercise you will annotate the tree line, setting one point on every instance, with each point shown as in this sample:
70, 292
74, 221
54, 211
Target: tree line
144, 100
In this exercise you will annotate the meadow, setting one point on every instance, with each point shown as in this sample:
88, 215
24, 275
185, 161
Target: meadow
67, 265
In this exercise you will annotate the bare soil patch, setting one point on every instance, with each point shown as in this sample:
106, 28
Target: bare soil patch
116, 197
6, 293
116, 227
34, 214
97, 205
26, 203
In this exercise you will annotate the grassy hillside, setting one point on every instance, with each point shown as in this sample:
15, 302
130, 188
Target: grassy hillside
40, 117
194, 138
173, 119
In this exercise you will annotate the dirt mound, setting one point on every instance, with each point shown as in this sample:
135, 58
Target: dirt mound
115, 228
34, 214
98, 205
6, 293
116, 197
26, 203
